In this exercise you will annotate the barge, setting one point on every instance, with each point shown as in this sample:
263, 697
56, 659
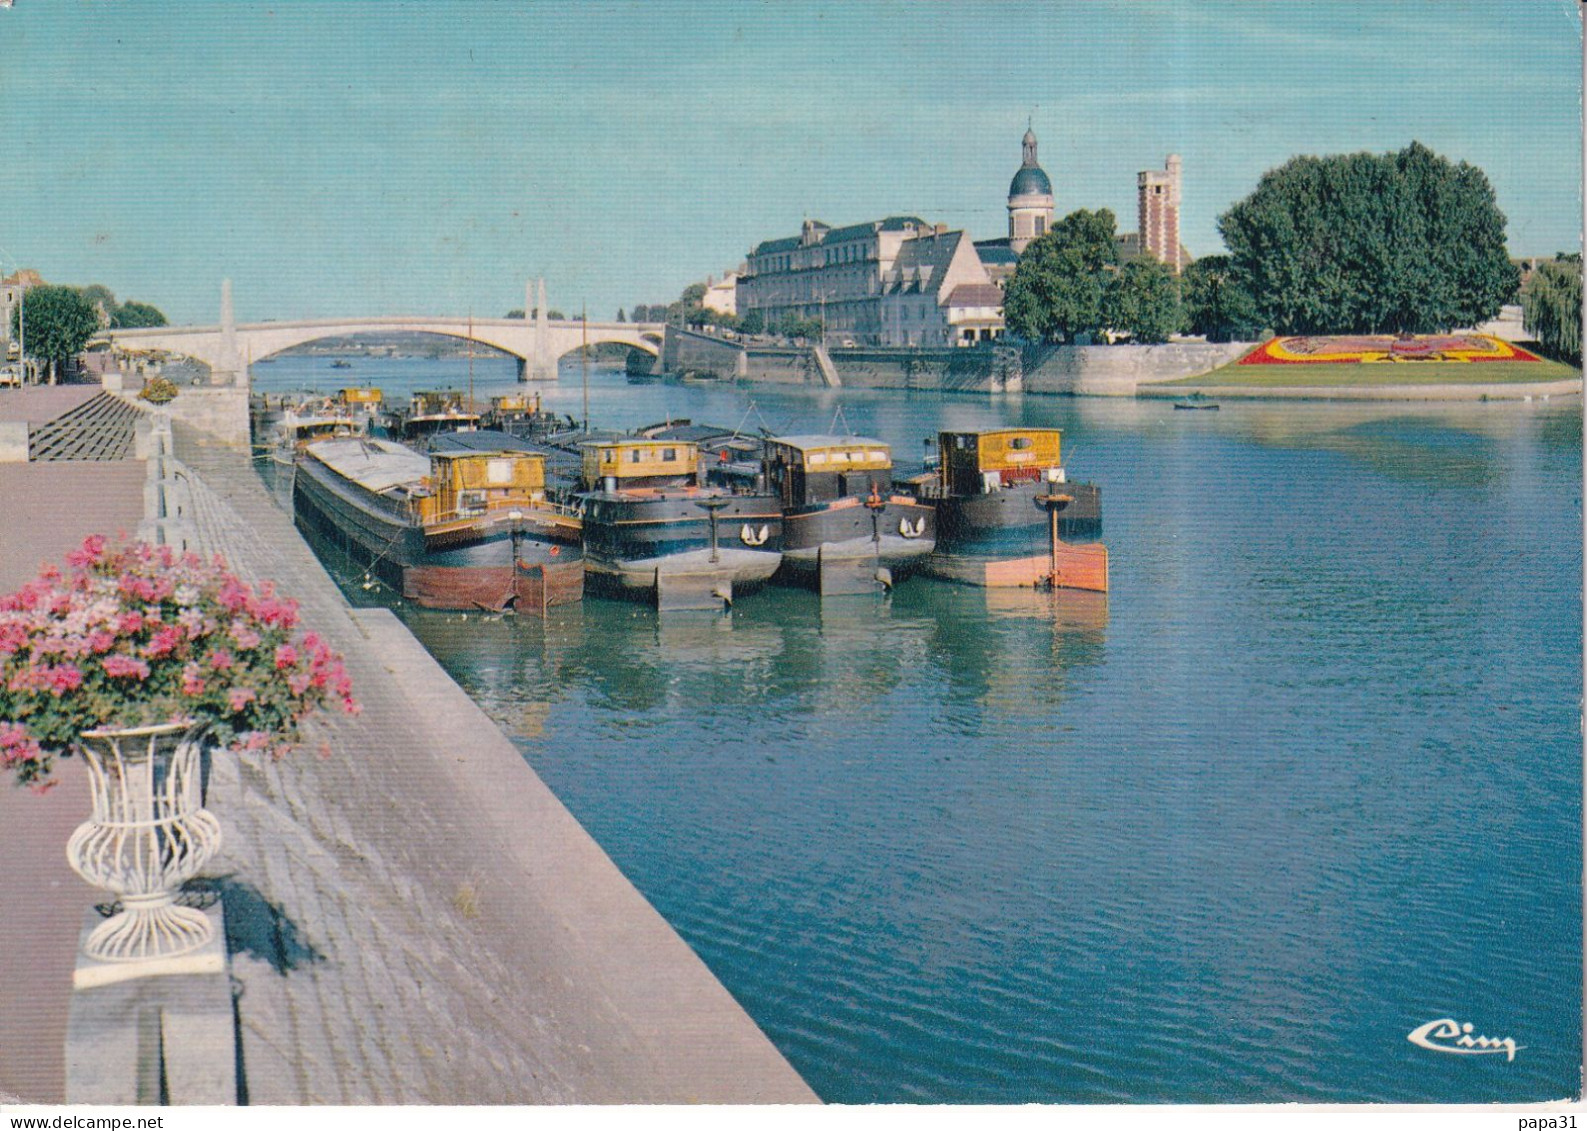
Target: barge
1004, 505
653, 527
846, 530
459, 529
430, 412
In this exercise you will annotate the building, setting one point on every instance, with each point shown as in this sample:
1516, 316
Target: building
12, 288
898, 281
722, 296
1157, 207
1030, 200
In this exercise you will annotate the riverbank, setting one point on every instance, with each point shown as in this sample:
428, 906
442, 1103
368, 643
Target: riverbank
1173, 369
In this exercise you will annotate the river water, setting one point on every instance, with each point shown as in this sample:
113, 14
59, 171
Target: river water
1307, 779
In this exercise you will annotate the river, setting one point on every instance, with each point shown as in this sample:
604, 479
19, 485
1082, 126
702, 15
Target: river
1306, 780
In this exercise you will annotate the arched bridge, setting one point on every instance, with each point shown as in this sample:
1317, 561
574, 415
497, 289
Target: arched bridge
229, 347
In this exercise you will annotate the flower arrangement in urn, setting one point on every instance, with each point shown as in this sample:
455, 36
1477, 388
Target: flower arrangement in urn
133, 635
136, 657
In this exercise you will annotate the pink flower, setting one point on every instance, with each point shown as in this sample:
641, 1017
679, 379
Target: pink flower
64, 678
239, 697
243, 635
164, 642
131, 622
220, 659
192, 680
101, 641
119, 665
286, 657
93, 550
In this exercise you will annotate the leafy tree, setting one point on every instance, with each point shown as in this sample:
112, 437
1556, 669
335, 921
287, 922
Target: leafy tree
620, 317
1056, 291
130, 315
101, 297
515, 312
1142, 300
1371, 243
60, 320
752, 322
1217, 303
1551, 306
556, 315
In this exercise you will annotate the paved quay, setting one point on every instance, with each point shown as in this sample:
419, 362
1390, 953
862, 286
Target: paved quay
412, 916
41, 904
415, 917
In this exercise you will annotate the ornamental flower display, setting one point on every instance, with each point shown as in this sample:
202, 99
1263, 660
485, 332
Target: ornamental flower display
133, 635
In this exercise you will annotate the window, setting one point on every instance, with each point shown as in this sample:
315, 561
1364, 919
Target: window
669, 455
498, 472
633, 455
1020, 443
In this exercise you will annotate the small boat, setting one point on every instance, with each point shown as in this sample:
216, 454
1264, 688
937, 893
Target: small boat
1210, 406
341, 363
845, 529
457, 529
653, 526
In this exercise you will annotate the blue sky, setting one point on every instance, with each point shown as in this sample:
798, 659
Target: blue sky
340, 157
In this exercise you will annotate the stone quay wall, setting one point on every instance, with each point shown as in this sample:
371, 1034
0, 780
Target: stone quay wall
1116, 371
1119, 371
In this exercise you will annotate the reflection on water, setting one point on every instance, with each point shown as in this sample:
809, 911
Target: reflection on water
1307, 778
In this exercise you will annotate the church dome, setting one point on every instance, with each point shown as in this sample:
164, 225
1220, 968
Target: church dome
1030, 181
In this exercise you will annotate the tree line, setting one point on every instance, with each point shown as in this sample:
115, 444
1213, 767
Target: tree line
54, 322
1396, 243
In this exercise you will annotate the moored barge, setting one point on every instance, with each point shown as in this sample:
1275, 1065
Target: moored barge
845, 528
1003, 501
461, 529
652, 526
429, 412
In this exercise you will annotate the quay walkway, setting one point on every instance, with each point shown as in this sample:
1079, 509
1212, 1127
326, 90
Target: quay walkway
412, 917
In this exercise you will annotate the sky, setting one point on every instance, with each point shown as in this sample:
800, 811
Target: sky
341, 157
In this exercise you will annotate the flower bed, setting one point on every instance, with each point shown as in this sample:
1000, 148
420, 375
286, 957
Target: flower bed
1372, 348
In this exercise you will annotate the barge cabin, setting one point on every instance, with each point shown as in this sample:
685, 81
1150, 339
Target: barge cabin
430, 412
652, 526
987, 487
845, 528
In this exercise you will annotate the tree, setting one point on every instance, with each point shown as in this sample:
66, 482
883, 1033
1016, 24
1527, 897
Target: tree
59, 323
1551, 306
103, 300
1217, 303
130, 315
620, 317
515, 312
1056, 291
1142, 300
1371, 243
752, 322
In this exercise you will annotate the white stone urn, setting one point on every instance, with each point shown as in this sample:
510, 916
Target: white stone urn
148, 835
